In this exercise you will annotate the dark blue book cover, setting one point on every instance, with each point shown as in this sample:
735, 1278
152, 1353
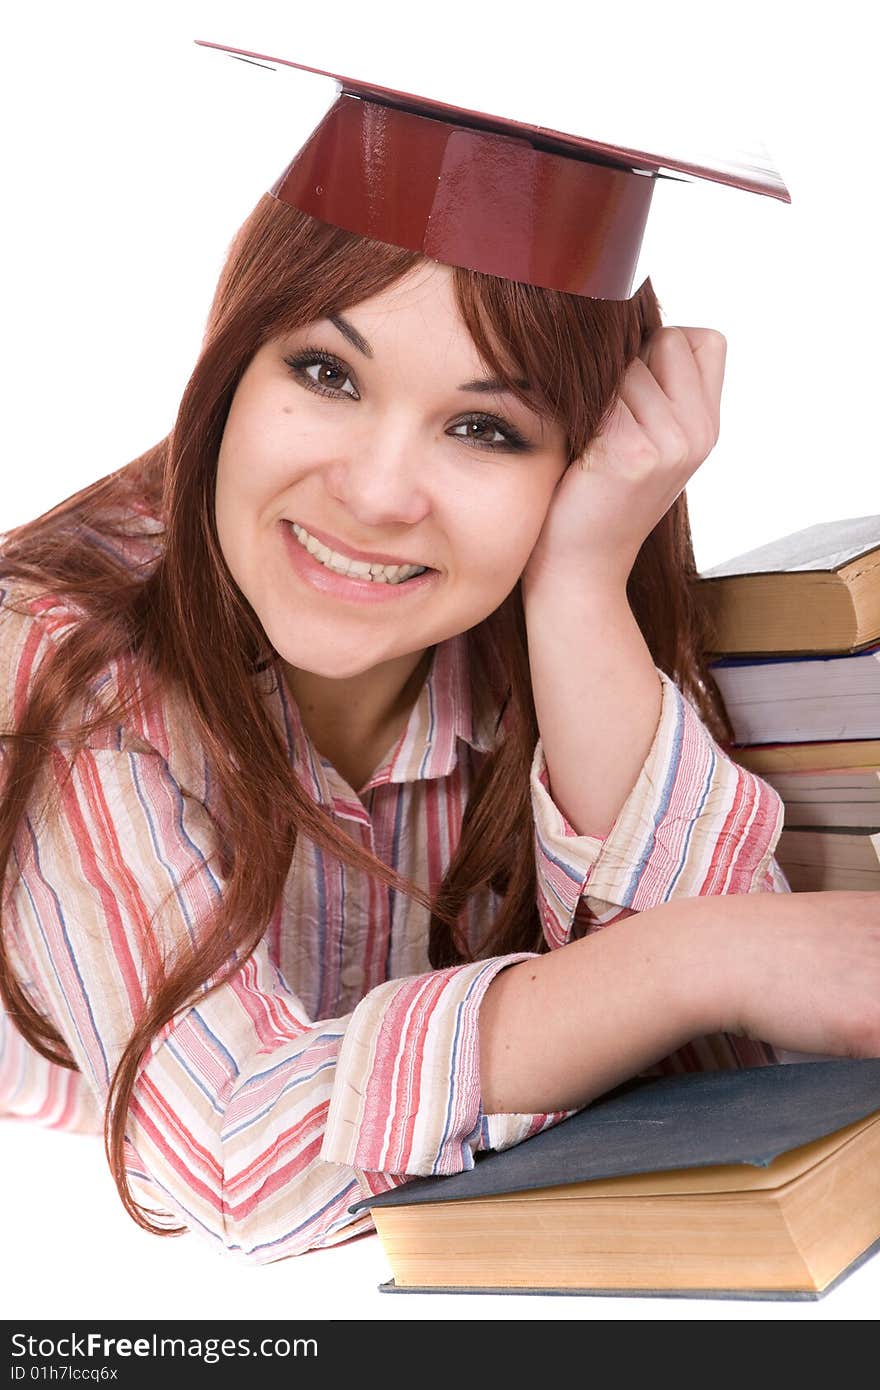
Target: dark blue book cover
750, 1116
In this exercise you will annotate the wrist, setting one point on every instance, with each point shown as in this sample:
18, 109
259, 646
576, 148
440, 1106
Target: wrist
602, 560
593, 587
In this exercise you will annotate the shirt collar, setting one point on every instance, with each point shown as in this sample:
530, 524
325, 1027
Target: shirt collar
442, 715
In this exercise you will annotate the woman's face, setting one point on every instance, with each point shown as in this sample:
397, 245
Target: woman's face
378, 433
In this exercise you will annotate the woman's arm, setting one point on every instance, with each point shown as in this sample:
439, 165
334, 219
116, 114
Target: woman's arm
801, 971
597, 698
597, 692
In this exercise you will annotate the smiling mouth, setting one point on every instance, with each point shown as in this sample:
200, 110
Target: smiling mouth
363, 570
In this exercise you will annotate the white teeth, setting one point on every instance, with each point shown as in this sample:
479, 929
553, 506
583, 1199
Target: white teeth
341, 564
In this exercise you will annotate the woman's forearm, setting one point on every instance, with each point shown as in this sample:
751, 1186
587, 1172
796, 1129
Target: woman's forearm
597, 698
800, 971
560, 1029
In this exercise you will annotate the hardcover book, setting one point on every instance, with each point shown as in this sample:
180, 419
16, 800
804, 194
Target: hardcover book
758, 1183
826, 755
832, 859
816, 590
802, 699
842, 799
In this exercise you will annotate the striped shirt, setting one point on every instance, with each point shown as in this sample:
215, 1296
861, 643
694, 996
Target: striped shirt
335, 1063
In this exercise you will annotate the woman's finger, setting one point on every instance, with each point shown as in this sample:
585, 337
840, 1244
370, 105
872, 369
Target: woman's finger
678, 435
689, 365
709, 348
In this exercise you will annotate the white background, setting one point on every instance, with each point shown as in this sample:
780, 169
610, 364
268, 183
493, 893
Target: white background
131, 157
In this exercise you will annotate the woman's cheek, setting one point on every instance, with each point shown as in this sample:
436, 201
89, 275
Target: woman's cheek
506, 559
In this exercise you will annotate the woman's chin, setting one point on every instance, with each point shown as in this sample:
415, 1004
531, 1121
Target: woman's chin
331, 664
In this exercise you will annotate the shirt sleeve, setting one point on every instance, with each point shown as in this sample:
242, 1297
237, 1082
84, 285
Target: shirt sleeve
694, 824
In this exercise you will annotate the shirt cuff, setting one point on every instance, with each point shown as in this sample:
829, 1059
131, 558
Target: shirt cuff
695, 823
501, 1131
406, 1096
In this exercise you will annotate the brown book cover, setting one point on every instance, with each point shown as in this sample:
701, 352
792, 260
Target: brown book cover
810, 756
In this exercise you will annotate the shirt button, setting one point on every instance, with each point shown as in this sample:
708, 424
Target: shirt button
351, 976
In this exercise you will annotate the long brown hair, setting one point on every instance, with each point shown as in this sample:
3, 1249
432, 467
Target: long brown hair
184, 620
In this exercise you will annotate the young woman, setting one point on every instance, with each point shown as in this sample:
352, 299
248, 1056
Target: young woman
362, 806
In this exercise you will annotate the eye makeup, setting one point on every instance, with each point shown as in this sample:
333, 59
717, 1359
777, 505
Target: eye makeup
311, 356
298, 363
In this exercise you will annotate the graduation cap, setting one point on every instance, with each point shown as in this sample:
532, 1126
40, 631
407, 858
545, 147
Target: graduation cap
489, 193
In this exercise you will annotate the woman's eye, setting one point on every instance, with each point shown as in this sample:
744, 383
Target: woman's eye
326, 375
492, 434
321, 372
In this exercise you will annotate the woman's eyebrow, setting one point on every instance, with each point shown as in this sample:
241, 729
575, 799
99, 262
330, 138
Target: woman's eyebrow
357, 340
349, 331
490, 384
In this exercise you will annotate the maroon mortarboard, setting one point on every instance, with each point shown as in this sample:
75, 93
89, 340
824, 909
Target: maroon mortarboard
485, 192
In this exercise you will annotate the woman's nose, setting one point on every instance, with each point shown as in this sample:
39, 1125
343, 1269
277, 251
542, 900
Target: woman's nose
380, 476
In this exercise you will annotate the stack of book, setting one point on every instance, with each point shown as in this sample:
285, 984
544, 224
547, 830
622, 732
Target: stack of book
796, 656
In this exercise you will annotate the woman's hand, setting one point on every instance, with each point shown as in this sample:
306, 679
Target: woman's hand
662, 426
